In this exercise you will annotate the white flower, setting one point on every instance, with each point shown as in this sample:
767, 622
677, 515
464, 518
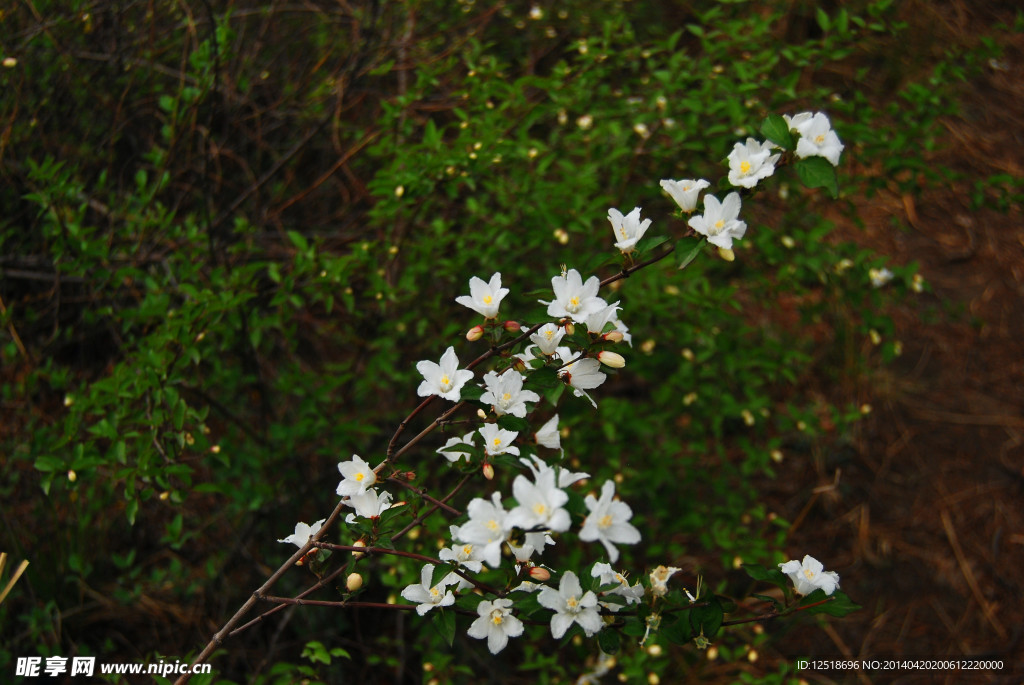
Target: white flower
486, 527
540, 504
444, 379
505, 393
659, 579
573, 297
428, 596
548, 435
608, 521
720, 222
303, 533
880, 277
547, 338
628, 229
606, 576
817, 139
809, 575
370, 504
498, 440
597, 320
750, 162
496, 623
797, 120
570, 605
453, 455
532, 542
465, 555
685, 192
357, 476
484, 298
566, 477
582, 374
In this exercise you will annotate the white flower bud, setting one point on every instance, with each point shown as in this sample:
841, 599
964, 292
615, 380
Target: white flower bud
353, 582
611, 359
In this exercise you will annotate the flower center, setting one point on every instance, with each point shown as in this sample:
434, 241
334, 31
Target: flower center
496, 443
492, 525
605, 521
488, 299
573, 306
809, 574
571, 603
744, 167
819, 139
539, 509
435, 593
359, 477
446, 383
496, 617
718, 226
467, 550
506, 398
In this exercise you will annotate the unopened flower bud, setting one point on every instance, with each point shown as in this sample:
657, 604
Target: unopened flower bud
72, 476
569, 328
613, 336
540, 574
512, 326
475, 333
519, 365
359, 543
164, 496
612, 359
488, 471
727, 254
353, 582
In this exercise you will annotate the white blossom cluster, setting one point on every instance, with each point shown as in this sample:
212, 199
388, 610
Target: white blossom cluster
521, 527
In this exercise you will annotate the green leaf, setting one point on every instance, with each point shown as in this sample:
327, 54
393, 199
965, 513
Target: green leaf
768, 575
444, 624
471, 392
676, 629
688, 251
706, 619
439, 573
838, 604
775, 129
513, 423
776, 604
823, 20
544, 377
298, 240
47, 464
818, 172
609, 641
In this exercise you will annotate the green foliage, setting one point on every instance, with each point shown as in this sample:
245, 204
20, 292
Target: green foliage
223, 258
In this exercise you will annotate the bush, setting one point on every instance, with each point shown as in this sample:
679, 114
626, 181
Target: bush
232, 235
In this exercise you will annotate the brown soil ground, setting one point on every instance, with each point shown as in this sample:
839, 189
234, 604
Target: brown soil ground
926, 520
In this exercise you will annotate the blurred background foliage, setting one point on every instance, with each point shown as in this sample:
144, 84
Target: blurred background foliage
231, 229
